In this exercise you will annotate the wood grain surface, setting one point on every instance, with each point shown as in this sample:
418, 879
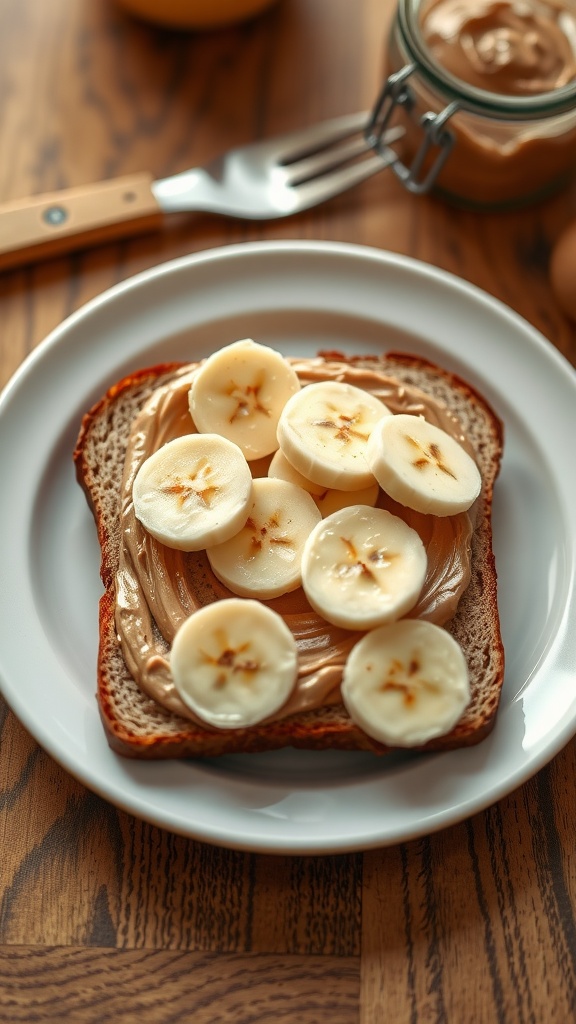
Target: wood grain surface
103, 917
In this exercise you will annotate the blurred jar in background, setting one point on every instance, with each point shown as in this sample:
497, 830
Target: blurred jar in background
487, 92
195, 14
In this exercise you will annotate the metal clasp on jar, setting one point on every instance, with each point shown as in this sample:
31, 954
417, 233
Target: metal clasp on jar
397, 93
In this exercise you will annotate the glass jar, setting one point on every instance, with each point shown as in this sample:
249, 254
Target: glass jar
463, 137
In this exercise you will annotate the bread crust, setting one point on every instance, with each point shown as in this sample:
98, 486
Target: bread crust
137, 727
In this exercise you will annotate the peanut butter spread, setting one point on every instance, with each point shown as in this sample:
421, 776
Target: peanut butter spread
157, 587
515, 49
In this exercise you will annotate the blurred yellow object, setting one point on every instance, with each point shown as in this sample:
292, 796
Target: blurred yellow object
194, 13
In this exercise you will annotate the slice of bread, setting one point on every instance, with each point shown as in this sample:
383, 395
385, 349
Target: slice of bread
137, 726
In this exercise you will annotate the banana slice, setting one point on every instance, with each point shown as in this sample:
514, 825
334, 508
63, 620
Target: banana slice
406, 683
263, 559
327, 499
423, 467
239, 392
323, 432
362, 567
281, 469
333, 501
194, 491
234, 663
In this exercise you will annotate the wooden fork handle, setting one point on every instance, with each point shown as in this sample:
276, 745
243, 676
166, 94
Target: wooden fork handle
59, 222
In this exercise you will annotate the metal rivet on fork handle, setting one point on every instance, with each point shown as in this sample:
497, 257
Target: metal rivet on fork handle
396, 93
55, 215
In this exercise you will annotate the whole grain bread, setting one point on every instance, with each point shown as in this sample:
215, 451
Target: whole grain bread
136, 726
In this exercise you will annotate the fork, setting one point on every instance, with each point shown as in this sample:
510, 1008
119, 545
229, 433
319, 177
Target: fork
261, 181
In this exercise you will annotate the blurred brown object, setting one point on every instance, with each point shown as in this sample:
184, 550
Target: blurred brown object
195, 14
563, 270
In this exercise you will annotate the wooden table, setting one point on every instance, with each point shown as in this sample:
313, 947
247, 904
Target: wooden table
103, 917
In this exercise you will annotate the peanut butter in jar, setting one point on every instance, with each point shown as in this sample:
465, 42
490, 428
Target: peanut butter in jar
487, 92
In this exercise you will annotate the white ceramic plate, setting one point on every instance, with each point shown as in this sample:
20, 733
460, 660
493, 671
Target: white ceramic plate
298, 297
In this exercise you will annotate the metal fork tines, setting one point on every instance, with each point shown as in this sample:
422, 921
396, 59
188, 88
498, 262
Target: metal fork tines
333, 163
283, 175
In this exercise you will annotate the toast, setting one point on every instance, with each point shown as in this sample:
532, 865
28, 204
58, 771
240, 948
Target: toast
138, 726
